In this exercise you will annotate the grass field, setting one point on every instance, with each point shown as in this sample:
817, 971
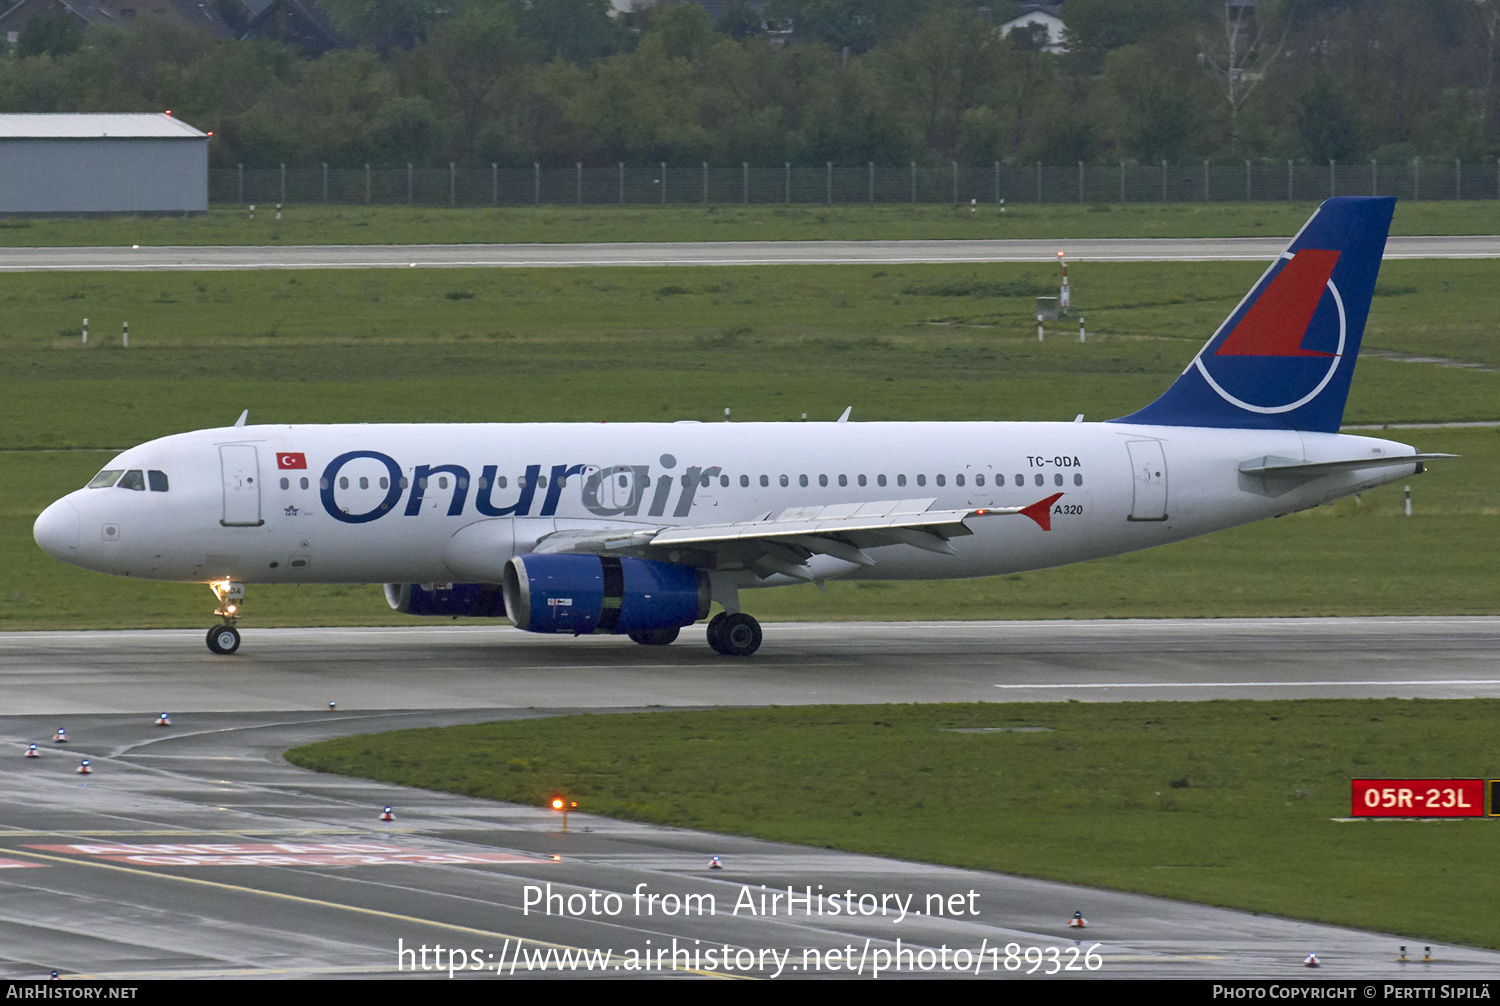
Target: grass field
1226, 802
318, 224
931, 342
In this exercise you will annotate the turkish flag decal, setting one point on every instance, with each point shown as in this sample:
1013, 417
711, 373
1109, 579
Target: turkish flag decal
288, 460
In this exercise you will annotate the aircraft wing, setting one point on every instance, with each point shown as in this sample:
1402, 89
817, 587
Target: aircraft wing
782, 543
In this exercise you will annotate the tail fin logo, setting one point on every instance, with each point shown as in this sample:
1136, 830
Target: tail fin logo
1285, 341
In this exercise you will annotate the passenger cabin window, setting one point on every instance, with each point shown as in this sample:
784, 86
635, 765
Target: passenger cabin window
106, 478
941, 480
1078, 480
286, 483
921, 480
880, 481
134, 479
302, 482
765, 480
744, 482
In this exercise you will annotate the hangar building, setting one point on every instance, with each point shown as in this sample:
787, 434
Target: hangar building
102, 163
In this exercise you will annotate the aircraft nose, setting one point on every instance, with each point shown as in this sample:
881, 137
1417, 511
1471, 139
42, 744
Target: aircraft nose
56, 531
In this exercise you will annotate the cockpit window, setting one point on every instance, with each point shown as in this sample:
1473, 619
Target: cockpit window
158, 481
134, 479
105, 479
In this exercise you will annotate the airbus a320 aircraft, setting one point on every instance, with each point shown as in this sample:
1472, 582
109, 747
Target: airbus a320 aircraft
638, 528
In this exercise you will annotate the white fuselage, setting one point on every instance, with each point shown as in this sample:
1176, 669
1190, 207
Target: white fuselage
236, 506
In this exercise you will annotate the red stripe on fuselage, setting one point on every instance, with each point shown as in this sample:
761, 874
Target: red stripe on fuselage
1277, 322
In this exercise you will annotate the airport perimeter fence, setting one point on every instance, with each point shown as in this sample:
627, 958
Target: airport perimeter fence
678, 183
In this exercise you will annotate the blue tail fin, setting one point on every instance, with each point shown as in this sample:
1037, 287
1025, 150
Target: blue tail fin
1284, 357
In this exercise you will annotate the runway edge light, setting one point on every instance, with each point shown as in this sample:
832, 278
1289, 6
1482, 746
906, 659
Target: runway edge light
560, 802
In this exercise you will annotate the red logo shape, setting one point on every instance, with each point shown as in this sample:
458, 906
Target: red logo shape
288, 460
1277, 322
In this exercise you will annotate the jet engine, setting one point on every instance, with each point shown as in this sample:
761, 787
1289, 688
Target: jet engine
479, 600
580, 594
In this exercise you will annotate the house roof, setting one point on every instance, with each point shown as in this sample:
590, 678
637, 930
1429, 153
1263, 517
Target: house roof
89, 126
200, 14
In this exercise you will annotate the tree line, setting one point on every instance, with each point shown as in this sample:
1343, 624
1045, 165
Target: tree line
517, 82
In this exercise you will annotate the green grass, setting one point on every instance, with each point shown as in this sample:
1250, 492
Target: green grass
318, 224
917, 342
1226, 802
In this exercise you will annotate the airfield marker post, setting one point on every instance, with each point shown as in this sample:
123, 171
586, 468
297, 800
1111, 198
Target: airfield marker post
85, 331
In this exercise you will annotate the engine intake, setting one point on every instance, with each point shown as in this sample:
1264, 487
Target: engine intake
582, 594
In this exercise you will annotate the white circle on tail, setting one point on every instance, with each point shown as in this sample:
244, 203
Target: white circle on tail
1333, 366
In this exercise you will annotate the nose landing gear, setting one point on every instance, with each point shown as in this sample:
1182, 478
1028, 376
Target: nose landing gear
224, 639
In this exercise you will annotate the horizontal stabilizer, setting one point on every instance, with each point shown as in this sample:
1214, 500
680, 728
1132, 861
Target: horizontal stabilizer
1272, 467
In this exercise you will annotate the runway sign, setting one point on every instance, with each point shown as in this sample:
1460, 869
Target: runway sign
1417, 798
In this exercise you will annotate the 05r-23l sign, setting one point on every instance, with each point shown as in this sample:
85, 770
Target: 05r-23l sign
1417, 798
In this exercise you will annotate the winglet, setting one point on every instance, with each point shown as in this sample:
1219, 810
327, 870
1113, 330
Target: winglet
243, 416
845, 417
1041, 511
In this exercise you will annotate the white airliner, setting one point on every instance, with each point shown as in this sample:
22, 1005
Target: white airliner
638, 528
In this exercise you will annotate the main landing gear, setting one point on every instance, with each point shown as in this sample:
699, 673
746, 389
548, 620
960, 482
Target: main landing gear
656, 637
224, 639
734, 635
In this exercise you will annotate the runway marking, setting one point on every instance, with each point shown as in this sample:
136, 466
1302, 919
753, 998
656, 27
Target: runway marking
336, 906
286, 854
159, 833
1255, 684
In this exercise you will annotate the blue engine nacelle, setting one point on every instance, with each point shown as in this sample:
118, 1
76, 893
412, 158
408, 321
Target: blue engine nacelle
581, 594
479, 600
